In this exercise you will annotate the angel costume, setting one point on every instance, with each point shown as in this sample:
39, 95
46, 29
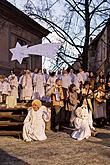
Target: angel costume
38, 81
34, 124
81, 124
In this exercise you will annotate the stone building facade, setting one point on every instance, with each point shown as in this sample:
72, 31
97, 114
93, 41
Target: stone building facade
15, 27
99, 51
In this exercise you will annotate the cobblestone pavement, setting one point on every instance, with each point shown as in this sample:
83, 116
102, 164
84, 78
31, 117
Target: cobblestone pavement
58, 149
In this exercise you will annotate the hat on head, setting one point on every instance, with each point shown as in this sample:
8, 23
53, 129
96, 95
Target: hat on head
37, 102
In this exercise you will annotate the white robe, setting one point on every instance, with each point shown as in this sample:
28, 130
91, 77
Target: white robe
38, 82
14, 86
6, 89
0, 91
83, 76
81, 124
50, 83
66, 81
27, 87
34, 124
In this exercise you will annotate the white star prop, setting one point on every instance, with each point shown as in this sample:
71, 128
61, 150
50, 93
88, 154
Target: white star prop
47, 50
19, 52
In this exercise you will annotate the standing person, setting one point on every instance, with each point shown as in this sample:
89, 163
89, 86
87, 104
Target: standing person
20, 87
51, 80
14, 85
108, 97
59, 74
81, 122
99, 106
82, 76
39, 82
46, 76
1, 80
108, 77
66, 82
88, 95
72, 75
27, 86
101, 76
56, 93
72, 104
108, 101
34, 123
92, 80
6, 89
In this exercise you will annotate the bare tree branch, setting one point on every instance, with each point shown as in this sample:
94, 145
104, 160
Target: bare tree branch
95, 9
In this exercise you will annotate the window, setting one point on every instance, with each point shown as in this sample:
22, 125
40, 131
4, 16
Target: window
21, 41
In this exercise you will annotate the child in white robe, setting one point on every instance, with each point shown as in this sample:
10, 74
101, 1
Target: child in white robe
1, 79
81, 122
6, 89
34, 123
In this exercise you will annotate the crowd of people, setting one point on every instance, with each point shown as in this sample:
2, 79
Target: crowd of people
78, 99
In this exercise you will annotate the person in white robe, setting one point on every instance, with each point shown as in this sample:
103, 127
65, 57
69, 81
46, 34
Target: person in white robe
34, 123
14, 85
66, 79
20, 82
88, 94
81, 122
82, 76
46, 75
51, 81
38, 83
1, 79
72, 75
6, 89
59, 74
27, 86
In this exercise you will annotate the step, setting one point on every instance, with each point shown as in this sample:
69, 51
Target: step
10, 123
10, 133
10, 115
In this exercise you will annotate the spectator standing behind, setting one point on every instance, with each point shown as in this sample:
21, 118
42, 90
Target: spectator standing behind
108, 97
34, 123
66, 81
88, 95
72, 103
99, 106
56, 93
101, 76
92, 80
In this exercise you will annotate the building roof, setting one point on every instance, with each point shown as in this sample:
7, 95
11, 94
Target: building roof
96, 39
14, 15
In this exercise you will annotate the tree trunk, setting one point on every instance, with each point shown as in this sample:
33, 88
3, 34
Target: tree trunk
87, 32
